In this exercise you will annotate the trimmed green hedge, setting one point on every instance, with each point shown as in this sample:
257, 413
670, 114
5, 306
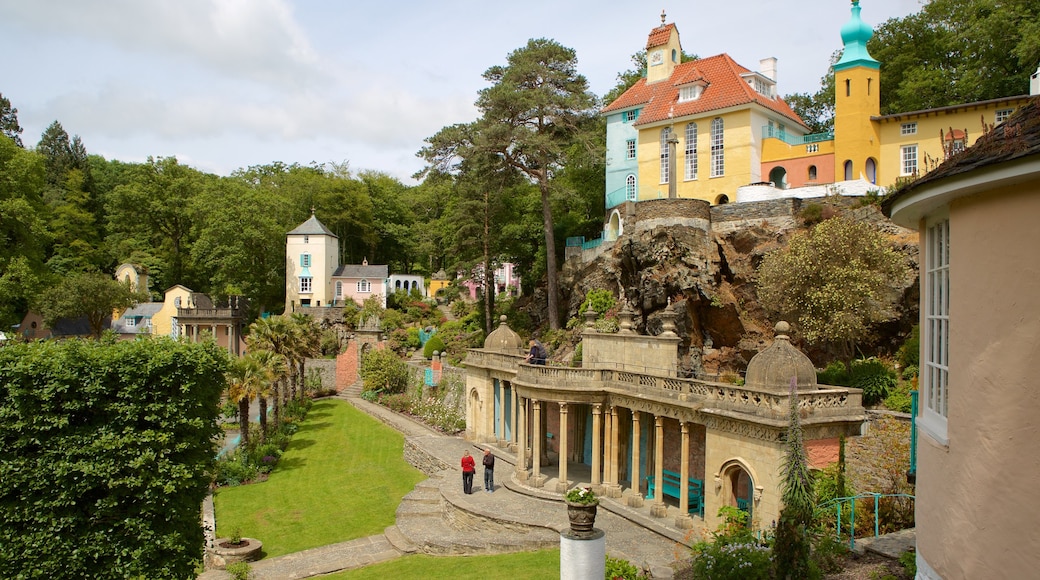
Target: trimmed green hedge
106, 452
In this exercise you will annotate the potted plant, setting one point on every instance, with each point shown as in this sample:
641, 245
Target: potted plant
581, 510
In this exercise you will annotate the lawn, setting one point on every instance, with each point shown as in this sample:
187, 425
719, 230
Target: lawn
521, 566
341, 478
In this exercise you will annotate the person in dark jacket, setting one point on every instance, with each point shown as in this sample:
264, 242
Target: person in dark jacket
489, 470
538, 353
469, 467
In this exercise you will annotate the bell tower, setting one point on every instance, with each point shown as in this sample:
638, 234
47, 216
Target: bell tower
663, 51
857, 98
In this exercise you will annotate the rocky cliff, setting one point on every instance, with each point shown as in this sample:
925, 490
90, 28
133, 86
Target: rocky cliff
703, 260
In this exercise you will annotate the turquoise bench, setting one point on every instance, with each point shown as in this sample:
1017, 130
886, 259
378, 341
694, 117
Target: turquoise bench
671, 479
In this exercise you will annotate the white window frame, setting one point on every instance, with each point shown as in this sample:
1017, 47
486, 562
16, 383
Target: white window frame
364, 285
629, 116
630, 188
630, 149
718, 147
129, 322
339, 288
690, 93
691, 151
908, 128
665, 154
1002, 115
908, 160
935, 336
306, 284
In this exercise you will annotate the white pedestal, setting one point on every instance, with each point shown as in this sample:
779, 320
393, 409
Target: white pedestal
583, 559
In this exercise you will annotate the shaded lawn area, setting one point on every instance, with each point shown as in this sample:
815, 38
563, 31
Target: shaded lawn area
520, 566
341, 478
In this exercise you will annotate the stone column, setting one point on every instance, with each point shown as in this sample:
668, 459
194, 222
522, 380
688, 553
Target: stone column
563, 484
658, 510
537, 479
613, 487
597, 453
502, 413
636, 498
515, 411
521, 442
683, 520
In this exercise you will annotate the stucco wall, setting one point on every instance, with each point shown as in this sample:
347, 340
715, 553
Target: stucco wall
976, 514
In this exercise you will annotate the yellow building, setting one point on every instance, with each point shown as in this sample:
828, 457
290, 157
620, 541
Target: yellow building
705, 129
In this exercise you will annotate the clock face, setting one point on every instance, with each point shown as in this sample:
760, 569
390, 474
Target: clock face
656, 57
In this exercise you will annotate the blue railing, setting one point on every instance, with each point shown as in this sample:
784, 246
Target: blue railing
617, 197
774, 133
575, 241
840, 501
589, 244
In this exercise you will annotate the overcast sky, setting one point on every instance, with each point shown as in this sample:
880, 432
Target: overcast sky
224, 84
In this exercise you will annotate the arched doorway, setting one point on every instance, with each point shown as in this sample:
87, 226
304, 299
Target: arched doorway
614, 227
722, 199
848, 170
738, 486
472, 414
778, 177
871, 168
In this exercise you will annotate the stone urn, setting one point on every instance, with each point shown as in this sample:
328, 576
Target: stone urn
582, 517
225, 552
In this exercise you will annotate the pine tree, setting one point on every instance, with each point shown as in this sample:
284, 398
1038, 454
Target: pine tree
791, 547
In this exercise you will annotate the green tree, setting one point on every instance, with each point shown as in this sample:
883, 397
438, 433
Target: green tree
304, 343
24, 234
275, 334
107, 452
246, 378
957, 51
533, 112
9, 121
383, 372
792, 543
833, 280
90, 294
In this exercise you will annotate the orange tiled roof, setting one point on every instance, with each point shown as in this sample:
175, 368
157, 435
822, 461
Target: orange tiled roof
954, 134
659, 35
725, 89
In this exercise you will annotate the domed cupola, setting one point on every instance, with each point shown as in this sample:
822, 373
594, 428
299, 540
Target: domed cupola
503, 339
854, 36
773, 367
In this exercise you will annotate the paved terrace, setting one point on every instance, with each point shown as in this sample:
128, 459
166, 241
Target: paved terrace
438, 518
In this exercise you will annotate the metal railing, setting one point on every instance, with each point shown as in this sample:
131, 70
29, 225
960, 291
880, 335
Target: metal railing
617, 197
774, 133
838, 502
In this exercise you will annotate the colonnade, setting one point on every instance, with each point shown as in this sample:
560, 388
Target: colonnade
234, 333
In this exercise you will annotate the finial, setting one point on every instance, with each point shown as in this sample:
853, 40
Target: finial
663, 16
502, 320
782, 330
312, 210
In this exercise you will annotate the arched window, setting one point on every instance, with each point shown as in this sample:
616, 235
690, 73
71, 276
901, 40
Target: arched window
718, 148
666, 133
871, 167
812, 173
675, 56
691, 151
848, 170
397, 284
630, 188
364, 286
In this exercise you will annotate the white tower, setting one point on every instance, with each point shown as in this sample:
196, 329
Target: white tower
311, 256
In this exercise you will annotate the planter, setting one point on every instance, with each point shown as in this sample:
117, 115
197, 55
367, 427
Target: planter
582, 517
224, 553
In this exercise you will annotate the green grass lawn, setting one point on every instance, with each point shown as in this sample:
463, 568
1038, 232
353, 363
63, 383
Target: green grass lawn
341, 478
521, 566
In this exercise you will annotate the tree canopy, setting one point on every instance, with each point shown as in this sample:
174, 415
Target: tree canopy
9, 121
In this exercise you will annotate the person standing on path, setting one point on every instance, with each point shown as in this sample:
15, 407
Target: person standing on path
469, 466
489, 470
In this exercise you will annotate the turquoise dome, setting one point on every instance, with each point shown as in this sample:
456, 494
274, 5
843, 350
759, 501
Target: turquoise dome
854, 36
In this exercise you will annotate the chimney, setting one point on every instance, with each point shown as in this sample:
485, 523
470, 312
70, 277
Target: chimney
1034, 82
767, 66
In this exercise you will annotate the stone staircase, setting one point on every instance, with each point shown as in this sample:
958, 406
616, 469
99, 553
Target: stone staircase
427, 523
353, 390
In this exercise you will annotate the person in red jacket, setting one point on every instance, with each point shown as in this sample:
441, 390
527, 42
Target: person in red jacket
469, 466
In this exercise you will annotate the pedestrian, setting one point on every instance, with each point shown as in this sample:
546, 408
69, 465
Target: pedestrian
489, 470
469, 466
538, 354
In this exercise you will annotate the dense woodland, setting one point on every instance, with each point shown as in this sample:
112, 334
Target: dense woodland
525, 175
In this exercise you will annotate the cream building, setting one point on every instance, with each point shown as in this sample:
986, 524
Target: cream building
978, 461
625, 419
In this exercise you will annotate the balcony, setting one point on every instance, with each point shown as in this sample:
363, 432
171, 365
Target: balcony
774, 133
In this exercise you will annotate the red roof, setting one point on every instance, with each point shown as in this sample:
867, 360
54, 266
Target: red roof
725, 88
659, 35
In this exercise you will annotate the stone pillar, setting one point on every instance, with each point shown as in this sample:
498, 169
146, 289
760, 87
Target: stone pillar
563, 484
636, 498
537, 479
683, 521
515, 436
658, 510
583, 558
521, 442
597, 453
502, 413
613, 488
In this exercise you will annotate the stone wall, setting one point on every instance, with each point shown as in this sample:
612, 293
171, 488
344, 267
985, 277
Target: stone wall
422, 460
325, 368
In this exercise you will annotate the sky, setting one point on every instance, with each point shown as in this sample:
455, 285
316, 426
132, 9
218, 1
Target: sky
226, 84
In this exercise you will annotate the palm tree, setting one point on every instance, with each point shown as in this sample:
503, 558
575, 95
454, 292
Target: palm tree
245, 380
273, 334
306, 344
274, 368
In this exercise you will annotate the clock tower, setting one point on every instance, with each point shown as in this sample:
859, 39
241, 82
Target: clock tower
663, 52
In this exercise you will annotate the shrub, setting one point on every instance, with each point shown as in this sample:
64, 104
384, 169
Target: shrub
382, 371
811, 214
899, 399
874, 377
399, 402
828, 553
239, 571
434, 344
600, 300
617, 568
733, 552
391, 320
835, 375
909, 353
